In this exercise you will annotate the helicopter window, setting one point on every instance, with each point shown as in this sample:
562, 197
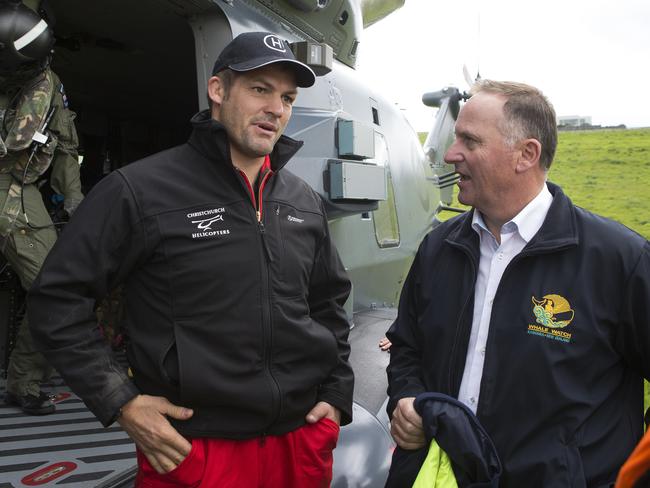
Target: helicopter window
385, 217
343, 17
375, 116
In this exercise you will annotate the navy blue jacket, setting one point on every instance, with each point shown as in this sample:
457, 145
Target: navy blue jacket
459, 434
563, 402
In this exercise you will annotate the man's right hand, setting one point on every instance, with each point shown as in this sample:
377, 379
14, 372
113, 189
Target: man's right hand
406, 426
144, 418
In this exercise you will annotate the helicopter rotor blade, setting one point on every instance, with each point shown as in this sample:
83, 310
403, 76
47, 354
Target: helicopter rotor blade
467, 76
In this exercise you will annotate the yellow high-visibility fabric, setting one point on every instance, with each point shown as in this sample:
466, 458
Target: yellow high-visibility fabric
436, 470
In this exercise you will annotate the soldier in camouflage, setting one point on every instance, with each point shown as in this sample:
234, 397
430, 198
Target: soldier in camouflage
36, 132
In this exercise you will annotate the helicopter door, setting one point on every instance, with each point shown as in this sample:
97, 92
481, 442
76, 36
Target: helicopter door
129, 71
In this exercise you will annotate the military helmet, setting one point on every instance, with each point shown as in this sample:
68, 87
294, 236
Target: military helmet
25, 38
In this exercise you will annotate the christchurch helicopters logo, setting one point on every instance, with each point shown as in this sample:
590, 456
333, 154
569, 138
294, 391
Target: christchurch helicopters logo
204, 225
552, 314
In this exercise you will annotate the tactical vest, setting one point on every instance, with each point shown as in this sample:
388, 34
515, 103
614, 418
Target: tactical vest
22, 120
22, 115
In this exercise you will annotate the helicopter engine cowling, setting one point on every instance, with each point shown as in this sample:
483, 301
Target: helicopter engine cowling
375, 10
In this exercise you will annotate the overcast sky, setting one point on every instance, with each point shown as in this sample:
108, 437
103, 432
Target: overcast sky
590, 57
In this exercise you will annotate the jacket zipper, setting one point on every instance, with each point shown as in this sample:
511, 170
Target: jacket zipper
266, 176
454, 348
267, 329
259, 215
258, 207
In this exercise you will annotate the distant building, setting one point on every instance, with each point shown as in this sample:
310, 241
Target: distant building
580, 122
574, 121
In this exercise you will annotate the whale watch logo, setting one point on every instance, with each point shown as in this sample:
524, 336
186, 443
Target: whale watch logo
552, 314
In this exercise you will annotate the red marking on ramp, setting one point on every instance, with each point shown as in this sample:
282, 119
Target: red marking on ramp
61, 396
48, 473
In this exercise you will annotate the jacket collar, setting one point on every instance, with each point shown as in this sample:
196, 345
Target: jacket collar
559, 229
210, 138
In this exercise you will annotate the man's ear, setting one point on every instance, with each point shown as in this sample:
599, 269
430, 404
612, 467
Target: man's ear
531, 150
216, 91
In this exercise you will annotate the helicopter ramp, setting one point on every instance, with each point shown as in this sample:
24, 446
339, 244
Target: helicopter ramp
67, 448
70, 448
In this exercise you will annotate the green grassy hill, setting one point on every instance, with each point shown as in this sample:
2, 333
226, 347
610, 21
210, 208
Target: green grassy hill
606, 172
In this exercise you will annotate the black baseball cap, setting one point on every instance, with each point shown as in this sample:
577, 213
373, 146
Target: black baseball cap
253, 50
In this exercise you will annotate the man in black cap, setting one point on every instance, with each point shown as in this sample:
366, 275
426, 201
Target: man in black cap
234, 294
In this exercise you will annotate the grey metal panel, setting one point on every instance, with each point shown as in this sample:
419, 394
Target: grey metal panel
357, 181
355, 140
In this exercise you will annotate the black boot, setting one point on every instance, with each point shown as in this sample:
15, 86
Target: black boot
31, 404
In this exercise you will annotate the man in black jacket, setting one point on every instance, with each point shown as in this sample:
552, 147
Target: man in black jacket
531, 311
234, 294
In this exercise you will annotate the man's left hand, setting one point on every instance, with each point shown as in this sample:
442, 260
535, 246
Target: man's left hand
323, 410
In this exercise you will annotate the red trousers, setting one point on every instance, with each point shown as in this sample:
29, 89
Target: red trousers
299, 459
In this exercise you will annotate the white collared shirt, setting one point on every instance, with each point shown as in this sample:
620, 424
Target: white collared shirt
495, 257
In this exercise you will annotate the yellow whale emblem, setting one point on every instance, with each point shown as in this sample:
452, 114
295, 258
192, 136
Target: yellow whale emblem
552, 311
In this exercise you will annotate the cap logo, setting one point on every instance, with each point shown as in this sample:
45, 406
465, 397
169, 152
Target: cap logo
275, 43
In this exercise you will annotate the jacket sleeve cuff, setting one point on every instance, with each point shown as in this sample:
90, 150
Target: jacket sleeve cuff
336, 400
110, 409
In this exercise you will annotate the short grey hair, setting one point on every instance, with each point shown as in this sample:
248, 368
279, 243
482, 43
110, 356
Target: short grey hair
528, 114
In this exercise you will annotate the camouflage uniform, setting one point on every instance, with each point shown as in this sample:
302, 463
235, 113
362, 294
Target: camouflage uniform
27, 236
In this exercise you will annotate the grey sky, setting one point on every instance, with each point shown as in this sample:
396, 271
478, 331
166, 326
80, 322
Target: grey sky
590, 57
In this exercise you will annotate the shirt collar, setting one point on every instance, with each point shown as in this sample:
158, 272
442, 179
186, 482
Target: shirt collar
527, 222
478, 224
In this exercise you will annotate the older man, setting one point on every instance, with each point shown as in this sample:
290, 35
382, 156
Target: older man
234, 294
531, 311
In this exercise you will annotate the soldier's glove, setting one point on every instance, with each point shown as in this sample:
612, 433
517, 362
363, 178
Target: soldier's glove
56, 211
70, 205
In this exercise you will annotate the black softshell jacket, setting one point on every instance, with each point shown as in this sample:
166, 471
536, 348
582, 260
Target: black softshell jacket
563, 405
239, 319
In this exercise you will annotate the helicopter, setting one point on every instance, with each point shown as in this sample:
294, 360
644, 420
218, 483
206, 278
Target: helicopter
135, 73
